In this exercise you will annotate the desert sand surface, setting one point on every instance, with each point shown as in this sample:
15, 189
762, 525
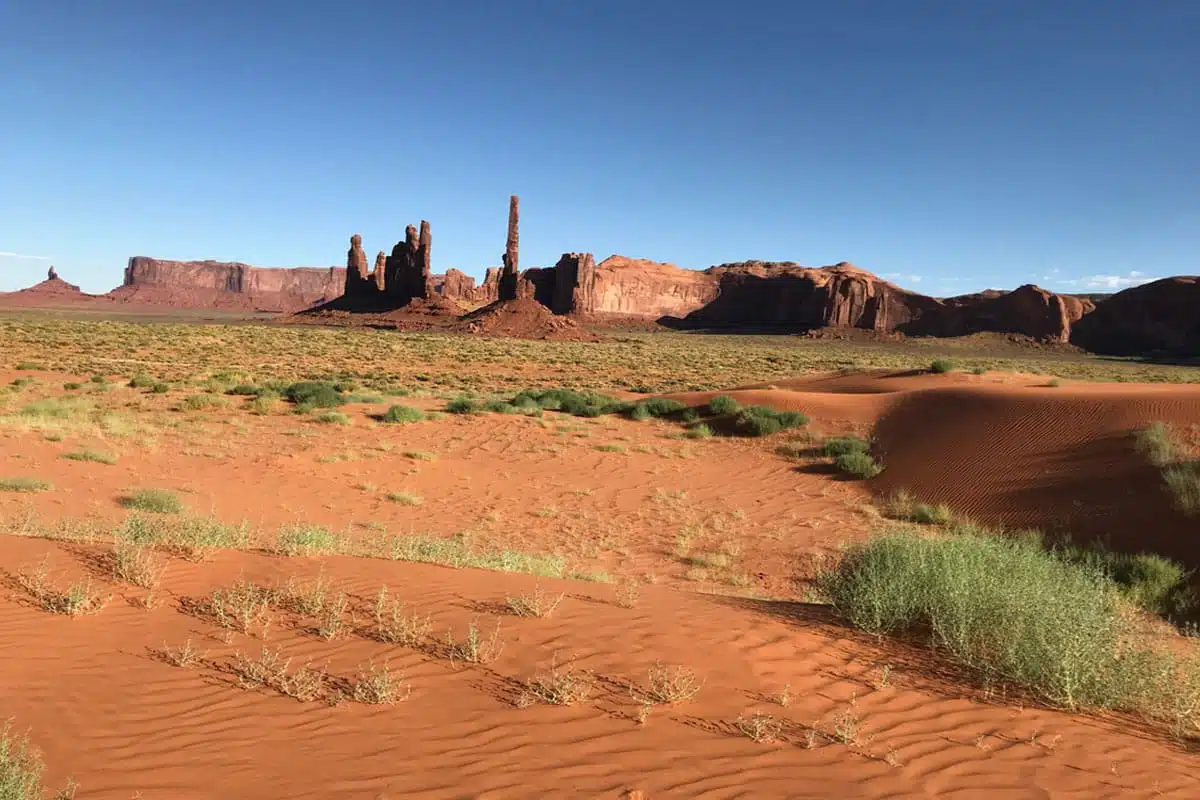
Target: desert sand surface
692, 555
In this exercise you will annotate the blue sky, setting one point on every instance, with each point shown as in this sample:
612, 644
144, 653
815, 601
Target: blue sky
950, 146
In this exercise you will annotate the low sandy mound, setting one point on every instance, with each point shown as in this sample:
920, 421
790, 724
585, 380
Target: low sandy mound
1060, 459
523, 318
195, 732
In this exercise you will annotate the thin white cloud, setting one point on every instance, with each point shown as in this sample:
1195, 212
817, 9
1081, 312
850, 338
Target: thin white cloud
1108, 282
23, 256
915, 278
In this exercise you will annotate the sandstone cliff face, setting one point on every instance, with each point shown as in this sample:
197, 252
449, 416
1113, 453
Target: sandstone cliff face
788, 295
1163, 316
1028, 310
636, 287
455, 285
407, 271
269, 288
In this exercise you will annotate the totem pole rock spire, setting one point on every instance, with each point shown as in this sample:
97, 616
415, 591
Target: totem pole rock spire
510, 272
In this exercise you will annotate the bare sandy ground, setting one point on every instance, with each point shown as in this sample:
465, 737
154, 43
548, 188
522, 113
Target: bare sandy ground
863, 718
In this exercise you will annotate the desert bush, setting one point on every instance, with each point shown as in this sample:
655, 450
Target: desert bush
763, 421
462, 405
941, 366
202, 402
699, 431
1183, 481
537, 603
568, 401
859, 465
668, 685
160, 388
142, 381
639, 412
559, 686
405, 498
1158, 444
380, 686
332, 418
475, 647
723, 404
156, 501
902, 506
394, 625
314, 394
21, 767
659, 407
192, 537
24, 485
71, 386
1152, 582
844, 445
401, 415
1007, 609
246, 390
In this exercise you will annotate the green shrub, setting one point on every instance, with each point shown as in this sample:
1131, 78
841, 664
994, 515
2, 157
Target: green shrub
640, 413
979, 371
699, 431
1183, 480
201, 402
332, 418
314, 394
71, 386
99, 379
462, 405
160, 388
1009, 610
157, 501
722, 405
941, 365
30, 366
843, 445
141, 381
24, 485
21, 766
1150, 581
401, 415
569, 401
858, 464
1158, 444
661, 406
246, 390
763, 421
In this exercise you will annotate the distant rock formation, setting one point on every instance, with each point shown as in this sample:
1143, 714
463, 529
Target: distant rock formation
1159, 317
51, 275
509, 273
358, 280
407, 271
1028, 310
455, 285
211, 284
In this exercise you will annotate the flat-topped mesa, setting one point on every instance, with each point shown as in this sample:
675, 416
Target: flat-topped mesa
358, 279
509, 274
406, 271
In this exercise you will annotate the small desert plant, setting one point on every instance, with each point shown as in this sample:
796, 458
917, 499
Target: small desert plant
722, 405
400, 415
395, 626
332, 418
475, 648
184, 656
332, 617
420, 455
136, 565
202, 402
306, 540
901, 506
627, 593
380, 686
859, 465
941, 366
405, 498
91, 456
668, 684
537, 603
699, 431
160, 388
243, 605
21, 767
314, 394
558, 686
270, 670
660, 407
155, 501
77, 600
762, 728
568, 401
141, 381
979, 371
24, 485
763, 421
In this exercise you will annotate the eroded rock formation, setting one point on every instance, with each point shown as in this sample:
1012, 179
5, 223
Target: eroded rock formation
509, 273
202, 284
455, 285
358, 279
51, 275
407, 272
1158, 317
